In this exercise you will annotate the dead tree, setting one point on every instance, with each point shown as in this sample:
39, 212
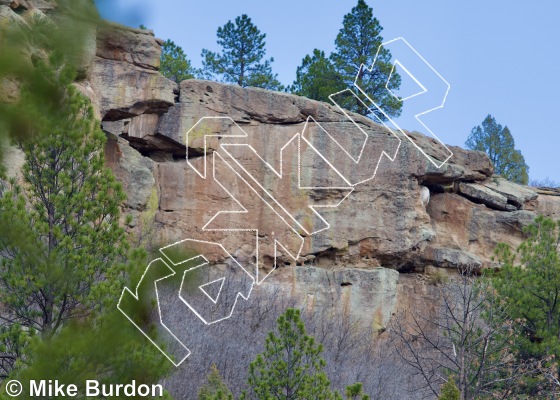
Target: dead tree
468, 337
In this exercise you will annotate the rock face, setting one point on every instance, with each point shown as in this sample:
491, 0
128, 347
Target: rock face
484, 195
42, 5
193, 156
124, 74
385, 224
373, 291
549, 202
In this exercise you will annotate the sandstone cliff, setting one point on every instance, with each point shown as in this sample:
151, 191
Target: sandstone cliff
384, 225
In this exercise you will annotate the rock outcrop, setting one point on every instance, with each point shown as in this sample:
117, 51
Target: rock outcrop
372, 291
549, 202
124, 75
383, 225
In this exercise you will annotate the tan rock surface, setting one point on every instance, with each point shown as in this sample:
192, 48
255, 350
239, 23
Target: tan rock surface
369, 295
549, 204
468, 230
125, 90
134, 46
385, 222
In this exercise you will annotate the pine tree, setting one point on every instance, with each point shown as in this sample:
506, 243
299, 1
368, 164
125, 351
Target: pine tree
356, 392
498, 143
67, 217
65, 260
357, 44
174, 63
215, 388
291, 366
529, 283
63, 255
107, 348
241, 61
63, 251
449, 391
317, 78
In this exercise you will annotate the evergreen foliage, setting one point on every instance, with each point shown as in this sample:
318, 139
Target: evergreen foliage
357, 44
242, 59
317, 78
496, 141
174, 63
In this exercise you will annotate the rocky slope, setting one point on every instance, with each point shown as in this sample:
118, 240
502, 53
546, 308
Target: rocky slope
348, 257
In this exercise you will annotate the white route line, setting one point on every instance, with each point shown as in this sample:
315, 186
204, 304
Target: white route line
417, 116
424, 90
359, 159
213, 300
239, 294
137, 298
243, 134
280, 175
245, 211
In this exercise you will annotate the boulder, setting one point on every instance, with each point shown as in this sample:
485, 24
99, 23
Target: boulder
517, 195
134, 46
363, 231
125, 90
387, 211
383, 222
484, 195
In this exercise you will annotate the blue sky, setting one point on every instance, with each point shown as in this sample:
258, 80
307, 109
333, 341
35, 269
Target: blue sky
500, 57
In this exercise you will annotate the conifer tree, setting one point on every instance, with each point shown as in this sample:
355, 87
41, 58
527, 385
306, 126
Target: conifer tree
498, 143
241, 61
291, 366
357, 44
65, 258
174, 63
317, 78
356, 392
61, 232
449, 391
215, 387
529, 284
